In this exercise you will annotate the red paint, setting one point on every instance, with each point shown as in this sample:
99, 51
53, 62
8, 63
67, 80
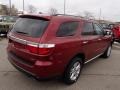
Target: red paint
116, 32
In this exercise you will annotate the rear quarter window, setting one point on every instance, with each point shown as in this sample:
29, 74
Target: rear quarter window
67, 29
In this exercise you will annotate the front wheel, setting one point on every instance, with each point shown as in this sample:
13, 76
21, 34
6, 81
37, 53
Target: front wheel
107, 53
73, 71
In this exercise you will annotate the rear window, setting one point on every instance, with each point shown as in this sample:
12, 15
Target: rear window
30, 27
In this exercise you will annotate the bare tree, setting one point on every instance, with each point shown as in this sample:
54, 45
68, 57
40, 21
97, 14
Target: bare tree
88, 15
53, 11
32, 9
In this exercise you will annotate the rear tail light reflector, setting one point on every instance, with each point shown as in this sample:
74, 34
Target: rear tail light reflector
40, 49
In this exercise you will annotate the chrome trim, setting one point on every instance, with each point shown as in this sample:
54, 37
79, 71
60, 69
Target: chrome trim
22, 41
25, 42
93, 58
46, 45
18, 40
32, 44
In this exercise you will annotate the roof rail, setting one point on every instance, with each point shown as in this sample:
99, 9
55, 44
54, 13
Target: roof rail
66, 15
63, 15
72, 16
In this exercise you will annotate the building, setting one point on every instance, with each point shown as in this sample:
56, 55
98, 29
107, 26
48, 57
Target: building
4, 9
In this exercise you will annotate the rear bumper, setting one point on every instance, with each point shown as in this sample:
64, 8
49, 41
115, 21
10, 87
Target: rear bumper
22, 70
41, 69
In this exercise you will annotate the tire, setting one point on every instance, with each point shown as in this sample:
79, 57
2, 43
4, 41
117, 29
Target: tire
107, 53
113, 40
73, 71
119, 41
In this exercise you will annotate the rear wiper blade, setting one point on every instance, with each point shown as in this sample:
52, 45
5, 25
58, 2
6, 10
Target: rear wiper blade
21, 32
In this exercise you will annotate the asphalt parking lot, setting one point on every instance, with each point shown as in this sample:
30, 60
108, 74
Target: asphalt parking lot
100, 74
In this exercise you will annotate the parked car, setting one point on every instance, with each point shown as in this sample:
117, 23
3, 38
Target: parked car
116, 31
5, 18
4, 27
6, 22
59, 45
108, 28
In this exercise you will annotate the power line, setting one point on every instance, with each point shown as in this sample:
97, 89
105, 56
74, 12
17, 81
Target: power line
10, 7
64, 6
100, 14
23, 6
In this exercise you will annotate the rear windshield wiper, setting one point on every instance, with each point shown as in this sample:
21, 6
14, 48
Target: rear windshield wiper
21, 32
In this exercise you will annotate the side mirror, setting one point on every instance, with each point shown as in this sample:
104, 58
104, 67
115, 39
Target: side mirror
107, 32
107, 28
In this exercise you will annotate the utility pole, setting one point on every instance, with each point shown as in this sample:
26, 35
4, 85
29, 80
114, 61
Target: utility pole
100, 15
23, 6
64, 6
10, 7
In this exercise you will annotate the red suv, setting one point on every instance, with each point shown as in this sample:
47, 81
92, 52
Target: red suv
116, 32
59, 45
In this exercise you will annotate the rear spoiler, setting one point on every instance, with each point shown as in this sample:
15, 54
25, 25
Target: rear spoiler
46, 18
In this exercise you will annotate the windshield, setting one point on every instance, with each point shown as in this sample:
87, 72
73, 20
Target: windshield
30, 27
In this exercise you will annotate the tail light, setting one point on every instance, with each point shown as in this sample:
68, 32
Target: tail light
40, 49
33, 48
45, 49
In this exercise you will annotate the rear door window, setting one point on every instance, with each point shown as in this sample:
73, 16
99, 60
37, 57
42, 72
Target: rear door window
88, 29
30, 27
67, 29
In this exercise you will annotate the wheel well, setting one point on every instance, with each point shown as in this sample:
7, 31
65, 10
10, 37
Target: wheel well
81, 55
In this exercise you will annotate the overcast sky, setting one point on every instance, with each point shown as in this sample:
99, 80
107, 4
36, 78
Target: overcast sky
110, 8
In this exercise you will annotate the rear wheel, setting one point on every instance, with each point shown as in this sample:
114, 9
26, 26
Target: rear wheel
107, 53
73, 71
119, 40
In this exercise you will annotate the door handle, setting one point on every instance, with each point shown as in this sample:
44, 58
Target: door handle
84, 42
99, 39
